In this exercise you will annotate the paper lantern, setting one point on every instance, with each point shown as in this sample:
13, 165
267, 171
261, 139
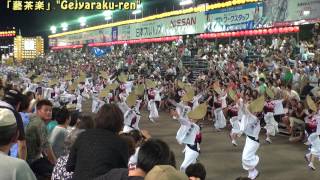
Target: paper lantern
281, 30
291, 29
233, 34
285, 30
264, 31
254, 32
296, 29
270, 31
275, 30
250, 32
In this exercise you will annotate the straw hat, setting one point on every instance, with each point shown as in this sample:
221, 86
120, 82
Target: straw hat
312, 105
139, 89
30, 74
82, 79
68, 77
216, 87
123, 77
71, 107
53, 82
104, 74
180, 84
72, 87
103, 93
232, 94
82, 74
270, 93
199, 112
131, 99
257, 105
150, 84
38, 79
188, 96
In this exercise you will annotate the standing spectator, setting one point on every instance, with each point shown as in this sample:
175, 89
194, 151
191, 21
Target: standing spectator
196, 172
23, 110
153, 152
107, 150
11, 168
40, 155
12, 100
59, 172
60, 132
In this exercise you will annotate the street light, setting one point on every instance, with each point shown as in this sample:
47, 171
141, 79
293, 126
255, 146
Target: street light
107, 15
82, 21
64, 26
138, 11
186, 2
135, 12
53, 29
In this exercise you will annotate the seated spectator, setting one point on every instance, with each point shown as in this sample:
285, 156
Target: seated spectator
59, 133
138, 139
165, 172
107, 150
11, 168
153, 152
59, 171
40, 155
196, 172
74, 121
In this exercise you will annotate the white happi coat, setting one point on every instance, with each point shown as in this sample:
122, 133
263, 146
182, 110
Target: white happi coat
186, 135
96, 104
250, 125
235, 121
129, 116
152, 107
220, 120
271, 124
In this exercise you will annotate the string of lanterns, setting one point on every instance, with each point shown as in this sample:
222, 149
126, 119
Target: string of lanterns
67, 47
255, 32
137, 41
7, 33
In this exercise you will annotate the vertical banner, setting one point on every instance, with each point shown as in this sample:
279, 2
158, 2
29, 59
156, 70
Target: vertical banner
114, 33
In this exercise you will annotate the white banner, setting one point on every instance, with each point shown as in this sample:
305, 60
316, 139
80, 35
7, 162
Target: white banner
281, 11
179, 25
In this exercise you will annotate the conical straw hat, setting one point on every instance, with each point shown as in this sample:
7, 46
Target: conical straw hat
123, 77
68, 77
270, 93
188, 96
199, 112
139, 89
150, 84
312, 105
257, 105
131, 99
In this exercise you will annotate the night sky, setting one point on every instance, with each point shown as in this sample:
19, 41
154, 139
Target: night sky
38, 23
